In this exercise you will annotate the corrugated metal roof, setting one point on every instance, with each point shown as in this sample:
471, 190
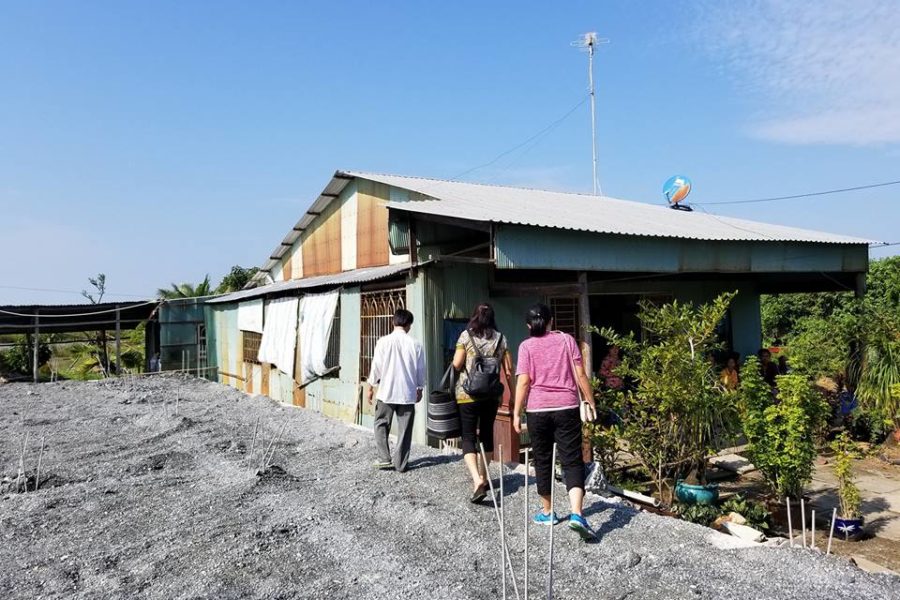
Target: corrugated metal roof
347, 277
583, 212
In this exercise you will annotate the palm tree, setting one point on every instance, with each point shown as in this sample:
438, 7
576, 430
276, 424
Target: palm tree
186, 290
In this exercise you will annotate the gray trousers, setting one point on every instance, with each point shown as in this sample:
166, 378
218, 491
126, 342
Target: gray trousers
384, 414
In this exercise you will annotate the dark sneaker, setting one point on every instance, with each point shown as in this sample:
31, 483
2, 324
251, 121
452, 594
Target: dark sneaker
383, 465
479, 494
579, 524
542, 518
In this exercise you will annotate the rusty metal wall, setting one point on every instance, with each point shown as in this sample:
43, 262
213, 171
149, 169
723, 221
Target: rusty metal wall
372, 248
322, 244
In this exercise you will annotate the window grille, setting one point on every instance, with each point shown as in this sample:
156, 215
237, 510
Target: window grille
565, 315
376, 320
251, 341
333, 354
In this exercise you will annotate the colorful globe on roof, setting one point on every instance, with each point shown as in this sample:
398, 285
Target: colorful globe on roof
676, 188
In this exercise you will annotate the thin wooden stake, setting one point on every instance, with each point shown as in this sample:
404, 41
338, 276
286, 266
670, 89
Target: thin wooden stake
552, 524
812, 523
487, 472
22, 466
37, 477
252, 442
502, 523
787, 501
265, 463
803, 519
831, 532
526, 523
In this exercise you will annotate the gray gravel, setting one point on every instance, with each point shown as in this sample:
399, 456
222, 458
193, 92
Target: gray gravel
138, 502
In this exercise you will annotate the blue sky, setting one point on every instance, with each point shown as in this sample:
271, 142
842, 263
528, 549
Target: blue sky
160, 141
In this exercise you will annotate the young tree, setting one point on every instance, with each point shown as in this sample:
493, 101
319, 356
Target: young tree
236, 279
98, 339
678, 413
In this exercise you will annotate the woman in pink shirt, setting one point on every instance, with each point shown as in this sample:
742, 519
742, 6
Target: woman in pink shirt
549, 375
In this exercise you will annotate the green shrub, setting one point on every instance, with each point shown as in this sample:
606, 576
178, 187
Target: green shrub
20, 358
756, 513
844, 453
781, 435
702, 514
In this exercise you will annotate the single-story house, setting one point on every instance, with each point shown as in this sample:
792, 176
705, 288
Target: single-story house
371, 243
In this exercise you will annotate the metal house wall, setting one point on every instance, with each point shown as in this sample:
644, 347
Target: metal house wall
180, 345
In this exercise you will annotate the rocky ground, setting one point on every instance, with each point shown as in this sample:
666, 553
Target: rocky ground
138, 500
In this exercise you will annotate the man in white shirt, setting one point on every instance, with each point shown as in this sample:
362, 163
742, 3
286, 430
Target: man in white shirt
398, 373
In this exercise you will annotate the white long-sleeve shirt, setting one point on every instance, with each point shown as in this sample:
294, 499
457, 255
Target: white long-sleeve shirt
398, 368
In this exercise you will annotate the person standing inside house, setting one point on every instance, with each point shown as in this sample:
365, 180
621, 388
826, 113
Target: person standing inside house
767, 368
729, 377
550, 374
396, 381
483, 361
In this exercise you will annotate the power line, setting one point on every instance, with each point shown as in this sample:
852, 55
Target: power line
546, 129
30, 289
809, 195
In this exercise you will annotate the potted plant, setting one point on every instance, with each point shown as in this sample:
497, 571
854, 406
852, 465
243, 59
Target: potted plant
850, 521
677, 412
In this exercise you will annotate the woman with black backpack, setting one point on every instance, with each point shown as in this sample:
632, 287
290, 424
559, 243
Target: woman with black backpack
482, 358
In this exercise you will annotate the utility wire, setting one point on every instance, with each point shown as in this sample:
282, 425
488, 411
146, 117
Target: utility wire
30, 289
546, 129
808, 195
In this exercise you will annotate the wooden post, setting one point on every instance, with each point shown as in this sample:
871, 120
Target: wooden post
584, 320
36, 342
118, 341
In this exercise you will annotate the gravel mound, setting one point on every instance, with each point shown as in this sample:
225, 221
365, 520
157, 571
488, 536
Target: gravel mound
140, 501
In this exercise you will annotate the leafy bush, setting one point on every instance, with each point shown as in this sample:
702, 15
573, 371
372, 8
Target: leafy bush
756, 513
20, 358
679, 412
702, 514
781, 436
869, 425
845, 451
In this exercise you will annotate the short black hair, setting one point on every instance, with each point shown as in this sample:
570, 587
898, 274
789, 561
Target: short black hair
403, 318
538, 319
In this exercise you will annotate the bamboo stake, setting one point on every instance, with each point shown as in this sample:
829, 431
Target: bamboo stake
37, 477
502, 522
487, 472
21, 473
252, 442
803, 519
552, 524
526, 523
787, 501
265, 463
831, 532
812, 524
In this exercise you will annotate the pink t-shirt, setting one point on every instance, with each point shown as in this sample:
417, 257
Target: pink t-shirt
547, 362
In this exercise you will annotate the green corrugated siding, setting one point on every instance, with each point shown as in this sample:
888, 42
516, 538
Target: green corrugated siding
541, 248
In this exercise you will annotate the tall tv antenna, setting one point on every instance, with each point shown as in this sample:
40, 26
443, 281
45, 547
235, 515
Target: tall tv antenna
587, 43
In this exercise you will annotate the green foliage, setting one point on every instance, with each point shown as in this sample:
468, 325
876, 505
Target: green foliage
679, 411
702, 514
845, 451
756, 513
605, 443
186, 290
820, 346
20, 358
236, 279
869, 425
781, 436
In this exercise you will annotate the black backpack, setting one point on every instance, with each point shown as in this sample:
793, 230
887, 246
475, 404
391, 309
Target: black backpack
483, 379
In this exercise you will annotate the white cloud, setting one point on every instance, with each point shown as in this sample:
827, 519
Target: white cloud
824, 72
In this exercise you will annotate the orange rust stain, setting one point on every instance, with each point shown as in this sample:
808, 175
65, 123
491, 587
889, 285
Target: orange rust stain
264, 383
299, 397
286, 268
248, 378
372, 244
322, 245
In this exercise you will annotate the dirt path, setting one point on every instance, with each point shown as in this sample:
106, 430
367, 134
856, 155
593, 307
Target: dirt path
137, 502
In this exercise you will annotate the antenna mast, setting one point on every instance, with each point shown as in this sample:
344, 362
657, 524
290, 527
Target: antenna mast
587, 42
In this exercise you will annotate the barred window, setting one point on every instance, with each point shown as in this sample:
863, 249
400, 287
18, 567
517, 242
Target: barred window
376, 320
565, 315
251, 340
333, 354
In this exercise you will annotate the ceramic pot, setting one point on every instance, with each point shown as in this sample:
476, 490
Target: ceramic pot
696, 494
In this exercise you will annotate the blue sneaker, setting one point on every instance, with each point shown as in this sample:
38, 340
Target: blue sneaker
542, 518
578, 524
